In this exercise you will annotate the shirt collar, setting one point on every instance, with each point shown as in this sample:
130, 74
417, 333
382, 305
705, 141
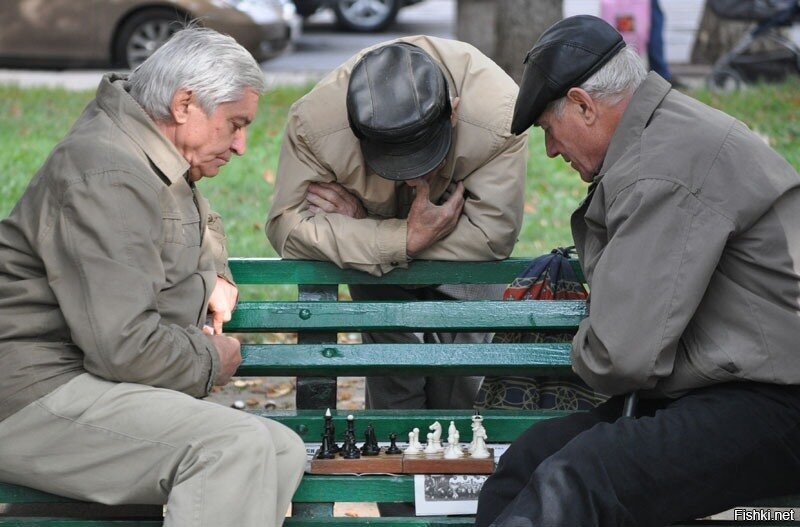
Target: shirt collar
646, 99
114, 99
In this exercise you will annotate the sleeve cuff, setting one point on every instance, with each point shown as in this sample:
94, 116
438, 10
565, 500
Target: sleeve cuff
391, 245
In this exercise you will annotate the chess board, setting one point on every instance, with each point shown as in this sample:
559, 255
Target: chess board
404, 464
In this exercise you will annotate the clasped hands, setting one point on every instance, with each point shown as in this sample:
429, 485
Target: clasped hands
220, 308
427, 222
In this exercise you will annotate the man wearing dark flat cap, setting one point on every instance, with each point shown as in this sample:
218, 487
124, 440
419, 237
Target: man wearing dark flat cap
402, 153
689, 240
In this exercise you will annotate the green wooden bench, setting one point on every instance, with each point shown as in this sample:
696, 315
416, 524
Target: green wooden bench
317, 360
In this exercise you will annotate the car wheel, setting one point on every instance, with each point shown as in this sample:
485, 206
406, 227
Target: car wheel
366, 15
143, 33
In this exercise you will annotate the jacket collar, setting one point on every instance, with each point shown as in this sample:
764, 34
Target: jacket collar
114, 99
646, 99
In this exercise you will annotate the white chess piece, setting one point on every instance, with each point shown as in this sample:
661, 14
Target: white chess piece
477, 422
453, 450
479, 450
412, 447
416, 439
437, 435
430, 448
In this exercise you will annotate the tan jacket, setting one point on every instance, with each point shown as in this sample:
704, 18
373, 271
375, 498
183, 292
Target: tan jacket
319, 146
690, 240
106, 262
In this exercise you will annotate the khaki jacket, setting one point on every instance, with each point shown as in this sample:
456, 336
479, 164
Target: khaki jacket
690, 241
319, 146
107, 262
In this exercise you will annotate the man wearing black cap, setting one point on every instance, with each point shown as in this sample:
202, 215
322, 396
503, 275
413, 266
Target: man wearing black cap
404, 152
689, 240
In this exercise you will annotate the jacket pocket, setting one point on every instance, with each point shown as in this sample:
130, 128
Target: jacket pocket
179, 230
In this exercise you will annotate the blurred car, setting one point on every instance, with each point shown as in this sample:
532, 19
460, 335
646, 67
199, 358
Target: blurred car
123, 33
357, 15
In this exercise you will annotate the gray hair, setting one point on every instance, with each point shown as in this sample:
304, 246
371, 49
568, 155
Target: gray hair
619, 77
213, 66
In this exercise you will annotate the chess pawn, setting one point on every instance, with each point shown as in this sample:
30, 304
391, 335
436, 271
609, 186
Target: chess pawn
412, 447
370, 446
393, 448
416, 439
431, 448
453, 450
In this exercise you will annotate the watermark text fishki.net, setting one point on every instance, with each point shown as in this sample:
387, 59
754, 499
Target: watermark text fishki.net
763, 514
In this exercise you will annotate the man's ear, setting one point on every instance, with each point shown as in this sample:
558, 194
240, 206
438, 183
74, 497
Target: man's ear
454, 111
179, 105
584, 104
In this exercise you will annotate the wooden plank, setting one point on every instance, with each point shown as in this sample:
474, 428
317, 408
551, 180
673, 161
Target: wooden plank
405, 359
480, 315
278, 271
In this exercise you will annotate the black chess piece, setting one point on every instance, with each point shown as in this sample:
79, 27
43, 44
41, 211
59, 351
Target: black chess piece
330, 430
349, 448
393, 448
325, 451
370, 446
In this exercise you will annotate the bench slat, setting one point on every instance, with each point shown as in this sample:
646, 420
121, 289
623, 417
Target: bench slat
404, 359
56, 522
276, 271
481, 315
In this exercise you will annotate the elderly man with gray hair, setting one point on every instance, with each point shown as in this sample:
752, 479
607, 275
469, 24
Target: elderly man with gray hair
109, 264
688, 238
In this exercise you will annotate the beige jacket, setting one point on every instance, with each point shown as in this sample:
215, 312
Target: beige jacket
319, 146
107, 262
690, 240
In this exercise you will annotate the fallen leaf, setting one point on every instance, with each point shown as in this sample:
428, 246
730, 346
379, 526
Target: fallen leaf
280, 390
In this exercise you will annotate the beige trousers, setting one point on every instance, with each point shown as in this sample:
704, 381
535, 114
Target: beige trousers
123, 443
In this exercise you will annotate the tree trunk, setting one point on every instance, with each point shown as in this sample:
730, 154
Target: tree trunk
715, 36
505, 30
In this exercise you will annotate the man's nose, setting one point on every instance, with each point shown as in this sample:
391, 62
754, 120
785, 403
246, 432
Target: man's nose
239, 144
549, 147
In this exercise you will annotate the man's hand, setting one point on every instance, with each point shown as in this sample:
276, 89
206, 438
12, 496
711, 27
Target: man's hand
334, 198
428, 223
221, 303
230, 356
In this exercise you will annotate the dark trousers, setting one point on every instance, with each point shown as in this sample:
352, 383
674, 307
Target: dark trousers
708, 451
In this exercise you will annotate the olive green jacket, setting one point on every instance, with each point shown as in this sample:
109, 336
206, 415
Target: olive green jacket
319, 146
690, 240
107, 262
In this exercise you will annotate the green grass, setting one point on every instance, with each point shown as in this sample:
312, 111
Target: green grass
33, 120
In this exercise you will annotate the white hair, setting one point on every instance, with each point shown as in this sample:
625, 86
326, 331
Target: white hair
213, 66
620, 76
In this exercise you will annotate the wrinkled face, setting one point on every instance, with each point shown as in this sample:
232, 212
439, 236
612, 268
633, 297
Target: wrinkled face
569, 135
208, 141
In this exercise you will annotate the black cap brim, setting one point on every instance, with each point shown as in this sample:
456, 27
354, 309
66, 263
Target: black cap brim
402, 161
